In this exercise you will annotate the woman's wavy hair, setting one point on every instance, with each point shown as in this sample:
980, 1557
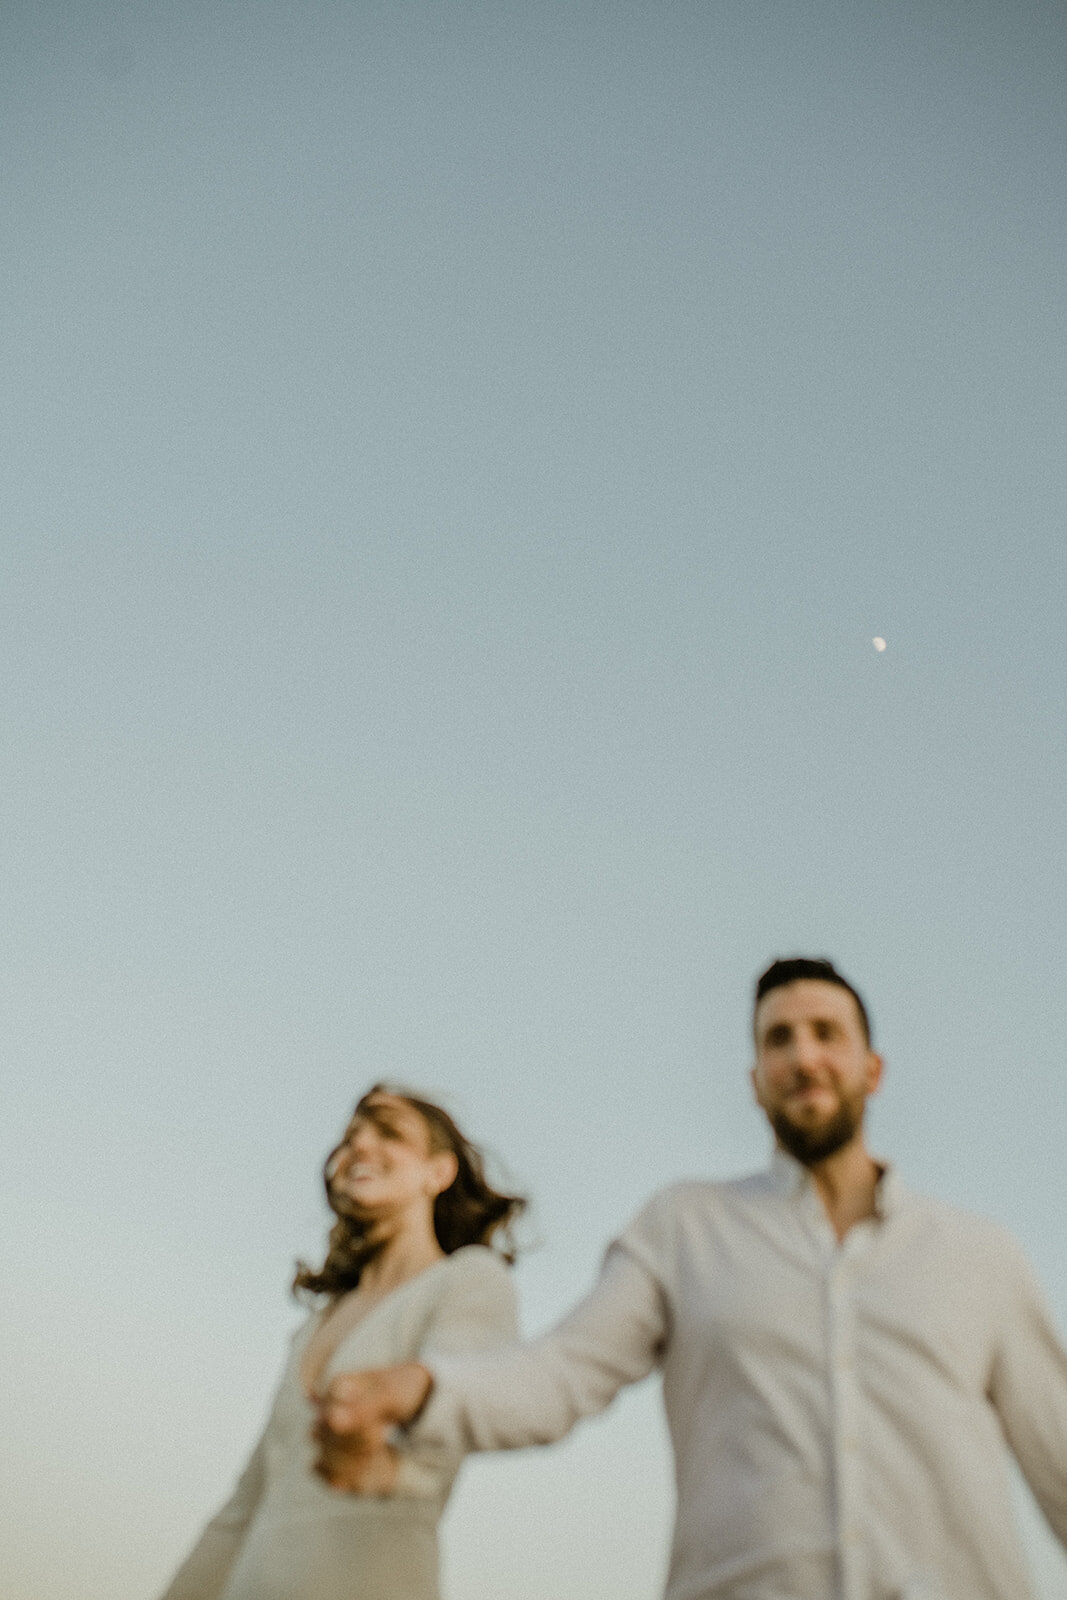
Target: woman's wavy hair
469, 1211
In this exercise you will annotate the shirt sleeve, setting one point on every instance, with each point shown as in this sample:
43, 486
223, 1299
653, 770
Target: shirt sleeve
476, 1313
534, 1393
1028, 1388
203, 1573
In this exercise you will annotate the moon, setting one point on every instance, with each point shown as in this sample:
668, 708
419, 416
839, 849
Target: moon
879, 645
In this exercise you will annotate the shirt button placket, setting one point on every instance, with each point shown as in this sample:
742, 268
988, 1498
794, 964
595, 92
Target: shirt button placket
845, 1427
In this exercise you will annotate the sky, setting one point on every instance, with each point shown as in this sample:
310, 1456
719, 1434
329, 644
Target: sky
456, 459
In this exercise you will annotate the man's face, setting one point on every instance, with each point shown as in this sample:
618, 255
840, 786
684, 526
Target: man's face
814, 1068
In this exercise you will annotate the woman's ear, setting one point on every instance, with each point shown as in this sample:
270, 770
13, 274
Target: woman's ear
443, 1168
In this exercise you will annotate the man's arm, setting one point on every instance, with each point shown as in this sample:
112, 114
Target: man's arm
1028, 1388
525, 1394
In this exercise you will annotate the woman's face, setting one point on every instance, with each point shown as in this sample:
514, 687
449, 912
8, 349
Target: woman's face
386, 1164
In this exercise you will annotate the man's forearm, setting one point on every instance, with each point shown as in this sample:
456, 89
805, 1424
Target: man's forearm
534, 1393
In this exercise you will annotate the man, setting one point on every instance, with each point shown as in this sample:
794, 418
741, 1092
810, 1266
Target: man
842, 1359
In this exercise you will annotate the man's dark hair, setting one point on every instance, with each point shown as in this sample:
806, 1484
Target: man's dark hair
791, 968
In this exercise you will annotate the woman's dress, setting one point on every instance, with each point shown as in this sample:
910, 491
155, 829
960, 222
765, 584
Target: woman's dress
283, 1534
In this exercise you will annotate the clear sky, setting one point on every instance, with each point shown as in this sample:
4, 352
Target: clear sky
456, 457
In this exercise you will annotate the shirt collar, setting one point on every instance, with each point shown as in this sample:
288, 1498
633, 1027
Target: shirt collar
789, 1177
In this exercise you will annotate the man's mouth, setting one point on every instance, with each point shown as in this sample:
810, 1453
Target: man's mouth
812, 1097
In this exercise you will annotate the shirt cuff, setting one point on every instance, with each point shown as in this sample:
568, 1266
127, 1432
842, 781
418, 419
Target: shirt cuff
441, 1420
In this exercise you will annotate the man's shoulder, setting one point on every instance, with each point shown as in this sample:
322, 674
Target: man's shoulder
701, 1197
688, 1216
951, 1222
948, 1241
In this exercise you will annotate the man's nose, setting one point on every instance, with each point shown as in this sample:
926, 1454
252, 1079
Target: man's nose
805, 1049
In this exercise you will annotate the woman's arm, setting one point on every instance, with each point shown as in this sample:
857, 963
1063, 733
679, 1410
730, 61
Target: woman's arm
203, 1573
475, 1312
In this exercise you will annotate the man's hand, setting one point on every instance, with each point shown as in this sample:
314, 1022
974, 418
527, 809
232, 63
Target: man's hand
362, 1406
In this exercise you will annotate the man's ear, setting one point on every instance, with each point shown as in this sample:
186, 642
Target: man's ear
753, 1078
875, 1071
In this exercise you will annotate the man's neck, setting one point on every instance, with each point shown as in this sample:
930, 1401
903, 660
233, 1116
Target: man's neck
847, 1185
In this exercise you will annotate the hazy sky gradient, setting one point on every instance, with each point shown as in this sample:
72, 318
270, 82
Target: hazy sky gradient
456, 458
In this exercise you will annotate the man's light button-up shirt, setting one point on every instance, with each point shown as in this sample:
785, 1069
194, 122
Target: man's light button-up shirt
837, 1412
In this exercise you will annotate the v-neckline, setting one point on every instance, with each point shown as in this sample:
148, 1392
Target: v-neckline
319, 1324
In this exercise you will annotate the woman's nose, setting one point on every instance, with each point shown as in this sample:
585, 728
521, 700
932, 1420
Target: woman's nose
362, 1140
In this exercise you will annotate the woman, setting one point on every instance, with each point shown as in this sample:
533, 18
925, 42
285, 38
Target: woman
407, 1274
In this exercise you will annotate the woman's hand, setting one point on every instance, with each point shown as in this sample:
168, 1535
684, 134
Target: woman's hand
352, 1469
355, 1415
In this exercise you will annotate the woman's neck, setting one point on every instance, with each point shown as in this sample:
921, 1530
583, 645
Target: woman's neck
403, 1255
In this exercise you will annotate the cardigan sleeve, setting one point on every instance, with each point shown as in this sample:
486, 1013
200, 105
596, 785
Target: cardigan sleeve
476, 1313
203, 1573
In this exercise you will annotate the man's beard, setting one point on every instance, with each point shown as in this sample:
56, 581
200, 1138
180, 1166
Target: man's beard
810, 1145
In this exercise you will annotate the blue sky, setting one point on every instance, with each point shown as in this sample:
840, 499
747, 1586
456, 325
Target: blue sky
456, 460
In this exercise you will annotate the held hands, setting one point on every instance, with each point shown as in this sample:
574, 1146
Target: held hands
355, 1415
352, 1469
